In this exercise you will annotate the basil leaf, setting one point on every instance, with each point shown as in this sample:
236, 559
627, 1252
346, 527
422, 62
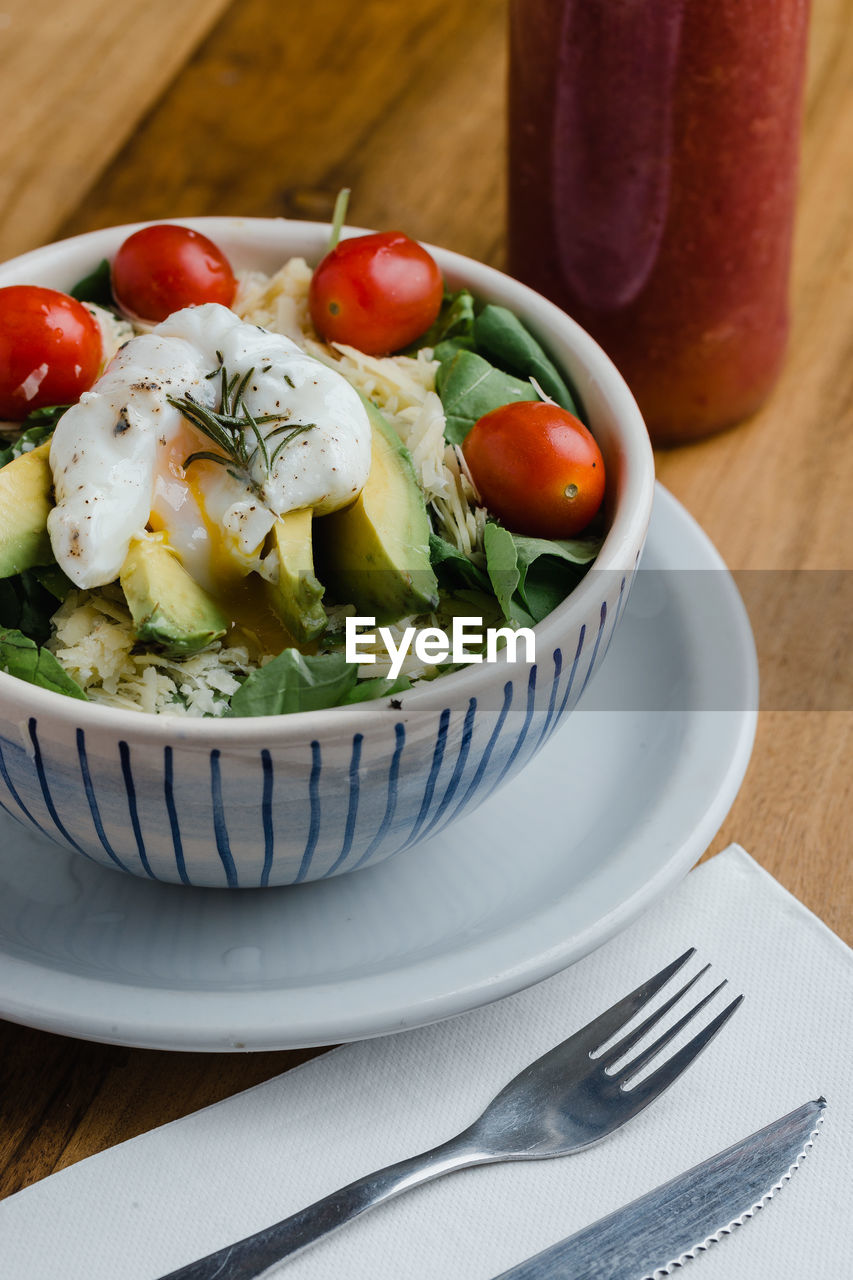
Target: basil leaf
378, 687
294, 681
452, 568
502, 338
22, 657
40, 430
96, 286
469, 386
28, 601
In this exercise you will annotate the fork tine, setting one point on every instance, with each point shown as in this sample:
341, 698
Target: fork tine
622, 1046
595, 1033
654, 1049
650, 1088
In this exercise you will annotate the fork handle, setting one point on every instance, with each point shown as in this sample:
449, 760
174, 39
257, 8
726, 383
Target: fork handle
254, 1254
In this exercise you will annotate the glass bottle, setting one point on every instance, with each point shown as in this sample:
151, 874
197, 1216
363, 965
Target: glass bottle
652, 183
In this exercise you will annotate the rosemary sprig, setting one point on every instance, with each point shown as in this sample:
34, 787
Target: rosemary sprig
297, 431
229, 426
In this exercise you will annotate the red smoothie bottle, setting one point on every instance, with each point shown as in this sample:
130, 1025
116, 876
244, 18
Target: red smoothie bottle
652, 184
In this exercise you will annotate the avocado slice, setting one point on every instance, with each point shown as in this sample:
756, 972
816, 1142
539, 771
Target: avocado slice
26, 497
297, 594
375, 553
168, 607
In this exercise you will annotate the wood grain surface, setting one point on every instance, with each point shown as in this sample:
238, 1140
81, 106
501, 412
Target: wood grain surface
77, 77
276, 109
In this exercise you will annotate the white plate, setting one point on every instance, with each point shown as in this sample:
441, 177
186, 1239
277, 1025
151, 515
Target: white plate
617, 807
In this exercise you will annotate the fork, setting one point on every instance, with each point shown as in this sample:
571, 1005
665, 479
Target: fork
561, 1103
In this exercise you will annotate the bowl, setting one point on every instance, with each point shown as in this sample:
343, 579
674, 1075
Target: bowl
266, 801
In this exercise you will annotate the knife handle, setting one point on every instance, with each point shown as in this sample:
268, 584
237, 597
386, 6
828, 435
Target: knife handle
254, 1254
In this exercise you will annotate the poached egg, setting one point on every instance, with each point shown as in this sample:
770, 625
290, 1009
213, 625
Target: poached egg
119, 457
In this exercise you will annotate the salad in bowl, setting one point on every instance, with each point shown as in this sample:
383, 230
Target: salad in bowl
216, 469
249, 495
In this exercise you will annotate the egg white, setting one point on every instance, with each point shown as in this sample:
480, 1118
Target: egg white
120, 456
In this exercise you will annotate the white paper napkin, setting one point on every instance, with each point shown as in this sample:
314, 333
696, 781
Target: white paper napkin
158, 1201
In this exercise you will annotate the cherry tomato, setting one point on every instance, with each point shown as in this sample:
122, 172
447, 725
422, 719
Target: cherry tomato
162, 268
537, 468
377, 293
50, 349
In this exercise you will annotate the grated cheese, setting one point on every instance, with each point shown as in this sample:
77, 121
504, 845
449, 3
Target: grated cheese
94, 639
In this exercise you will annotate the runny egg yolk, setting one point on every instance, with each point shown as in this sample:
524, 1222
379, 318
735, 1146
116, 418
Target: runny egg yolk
185, 505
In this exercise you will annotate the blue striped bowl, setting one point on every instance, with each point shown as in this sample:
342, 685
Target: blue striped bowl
280, 800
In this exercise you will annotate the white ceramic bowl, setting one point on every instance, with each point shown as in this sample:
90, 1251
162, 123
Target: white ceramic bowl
279, 800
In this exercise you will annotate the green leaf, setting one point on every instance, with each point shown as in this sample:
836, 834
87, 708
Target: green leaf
578, 551
51, 577
295, 682
531, 576
502, 567
22, 657
471, 603
96, 286
26, 606
469, 387
41, 429
452, 568
502, 338
455, 321
445, 351
28, 600
377, 687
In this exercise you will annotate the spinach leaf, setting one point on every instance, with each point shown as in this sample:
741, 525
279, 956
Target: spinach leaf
378, 687
445, 351
21, 657
51, 577
454, 569
578, 551
502, 567
455, 321
294, 681
40, 430
470, 603
96, 286
550, 569
502, 338
29, 599
469, 386
531, 576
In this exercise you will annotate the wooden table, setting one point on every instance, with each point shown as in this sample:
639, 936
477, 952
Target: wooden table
277, 107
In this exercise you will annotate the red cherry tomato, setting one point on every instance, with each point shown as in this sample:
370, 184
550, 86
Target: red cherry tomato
162, 268
537, 468
50, 349
377, 293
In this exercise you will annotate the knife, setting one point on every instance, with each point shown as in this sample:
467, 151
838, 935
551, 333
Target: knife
667, 1226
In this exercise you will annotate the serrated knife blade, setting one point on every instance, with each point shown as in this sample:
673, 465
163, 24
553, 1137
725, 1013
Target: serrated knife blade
665, 1227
